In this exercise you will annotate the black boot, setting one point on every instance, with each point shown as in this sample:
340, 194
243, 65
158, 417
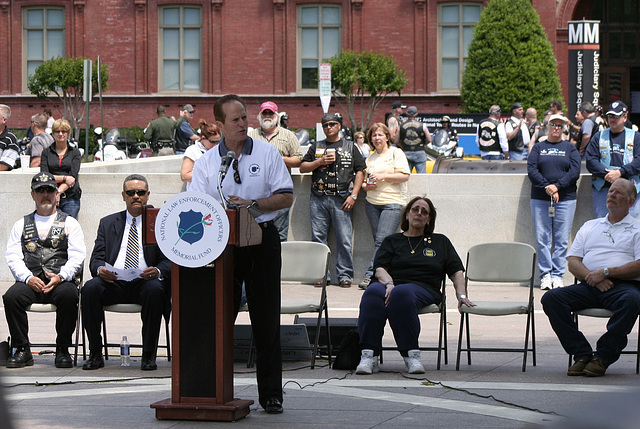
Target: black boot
21, 358
63, 358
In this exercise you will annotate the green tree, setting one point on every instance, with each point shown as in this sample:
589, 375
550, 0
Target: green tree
61, 79
362, 80
510, 59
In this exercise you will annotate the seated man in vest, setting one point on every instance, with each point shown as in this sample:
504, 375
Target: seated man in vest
605, 257
45, 252
119, 244
613, 153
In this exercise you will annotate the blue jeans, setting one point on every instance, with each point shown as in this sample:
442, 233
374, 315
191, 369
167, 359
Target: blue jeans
404, 302
326, 211
623, 300
417, 159
70, 206
518, 156
384, 220
552, 231
492, 157
600, 203
281, 221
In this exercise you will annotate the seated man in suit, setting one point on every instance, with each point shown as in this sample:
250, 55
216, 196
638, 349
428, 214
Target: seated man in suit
119, 243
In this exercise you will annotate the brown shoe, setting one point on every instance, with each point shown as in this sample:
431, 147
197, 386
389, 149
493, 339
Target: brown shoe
595, 368
578, 367
345, 283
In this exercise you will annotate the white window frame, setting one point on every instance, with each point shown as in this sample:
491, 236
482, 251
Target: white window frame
461, 54
319, 26
44, 28
181, 55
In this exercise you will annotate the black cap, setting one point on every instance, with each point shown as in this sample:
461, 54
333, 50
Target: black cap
516, 106
397, 105
328, 117
42, 180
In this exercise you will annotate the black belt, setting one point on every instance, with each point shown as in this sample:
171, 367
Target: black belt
267, 224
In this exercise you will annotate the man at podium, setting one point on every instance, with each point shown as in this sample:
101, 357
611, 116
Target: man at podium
258, 179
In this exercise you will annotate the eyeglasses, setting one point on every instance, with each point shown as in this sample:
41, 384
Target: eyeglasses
421, 210
608, 234
47, 189
552, 125
236, 174
132, 192
614, 116
329, 124
60, 131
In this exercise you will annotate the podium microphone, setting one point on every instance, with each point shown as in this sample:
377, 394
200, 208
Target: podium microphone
225, 163
224, 166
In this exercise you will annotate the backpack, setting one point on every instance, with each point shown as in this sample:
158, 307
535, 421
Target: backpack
348, 356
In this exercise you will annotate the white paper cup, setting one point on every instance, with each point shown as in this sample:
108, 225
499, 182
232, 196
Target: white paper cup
25, 160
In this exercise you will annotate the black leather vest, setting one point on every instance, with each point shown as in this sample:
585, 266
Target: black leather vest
49, 254
412, 136
488, 139
516, 144
336, 178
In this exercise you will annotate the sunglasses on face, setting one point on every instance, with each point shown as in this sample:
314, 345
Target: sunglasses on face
552, 125
421, 210
329, 124
60, 131
47, 189
132, 192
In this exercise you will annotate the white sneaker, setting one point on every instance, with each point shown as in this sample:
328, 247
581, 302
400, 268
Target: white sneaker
413, 362
368, 363
557, 282
546, 283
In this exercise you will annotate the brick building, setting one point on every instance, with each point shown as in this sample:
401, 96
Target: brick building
173, 52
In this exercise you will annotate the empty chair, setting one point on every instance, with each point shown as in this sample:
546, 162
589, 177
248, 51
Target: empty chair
501, 262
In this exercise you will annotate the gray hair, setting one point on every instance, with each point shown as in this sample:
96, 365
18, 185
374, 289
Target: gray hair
5, 111
40, 120
135, 177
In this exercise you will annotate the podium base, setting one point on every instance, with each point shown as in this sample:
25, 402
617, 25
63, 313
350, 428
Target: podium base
228, 412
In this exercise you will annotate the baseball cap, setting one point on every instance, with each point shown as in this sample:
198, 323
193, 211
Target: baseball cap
269, 105
328, 117
559, 117
412, 111
516, 106
397, 105
495, 111
43, 180
617, 108
188, 108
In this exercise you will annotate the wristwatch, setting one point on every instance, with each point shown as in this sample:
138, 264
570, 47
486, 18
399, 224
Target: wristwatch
254, 205
354, 196
606, 272
462, 297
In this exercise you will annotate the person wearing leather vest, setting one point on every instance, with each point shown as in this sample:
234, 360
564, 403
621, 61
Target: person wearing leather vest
45, 252
337, 169
491, 137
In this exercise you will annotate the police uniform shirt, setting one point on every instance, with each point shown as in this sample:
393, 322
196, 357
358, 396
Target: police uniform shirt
260, 168
76, 251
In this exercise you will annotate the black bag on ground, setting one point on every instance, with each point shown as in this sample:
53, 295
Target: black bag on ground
348, 356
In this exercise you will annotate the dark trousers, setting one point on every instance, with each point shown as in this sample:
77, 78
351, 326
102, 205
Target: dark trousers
20, 296
404, 302
259, 268
97, 293
623, 300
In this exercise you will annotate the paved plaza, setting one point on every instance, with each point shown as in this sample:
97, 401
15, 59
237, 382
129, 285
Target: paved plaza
491, 393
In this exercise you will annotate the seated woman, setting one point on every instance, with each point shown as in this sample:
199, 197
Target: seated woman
409, 267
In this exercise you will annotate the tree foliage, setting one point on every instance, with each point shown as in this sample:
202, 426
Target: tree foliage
510, 59
362, 80
61, 79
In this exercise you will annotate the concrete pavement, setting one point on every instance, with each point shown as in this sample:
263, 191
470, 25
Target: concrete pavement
492, 392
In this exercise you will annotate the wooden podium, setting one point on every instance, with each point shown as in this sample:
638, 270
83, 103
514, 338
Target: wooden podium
202, 330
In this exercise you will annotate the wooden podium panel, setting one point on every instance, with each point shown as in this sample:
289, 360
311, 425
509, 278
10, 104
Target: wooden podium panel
202, 329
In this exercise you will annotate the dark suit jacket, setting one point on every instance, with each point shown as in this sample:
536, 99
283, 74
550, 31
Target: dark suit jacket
107, 246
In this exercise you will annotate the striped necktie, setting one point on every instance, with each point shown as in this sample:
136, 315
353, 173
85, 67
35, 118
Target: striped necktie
133, 248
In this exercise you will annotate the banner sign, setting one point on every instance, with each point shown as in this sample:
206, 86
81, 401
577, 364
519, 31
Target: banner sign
324, 85
584, 64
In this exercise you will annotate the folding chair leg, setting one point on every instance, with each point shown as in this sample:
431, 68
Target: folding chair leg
533, 337
444, 330
468, 339
461, 331
326, 319
526, 343
104, 336
79, 328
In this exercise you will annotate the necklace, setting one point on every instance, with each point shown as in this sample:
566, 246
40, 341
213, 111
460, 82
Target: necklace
413, 249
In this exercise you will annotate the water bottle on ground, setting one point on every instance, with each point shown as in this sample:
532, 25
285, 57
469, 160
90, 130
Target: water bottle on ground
125, 358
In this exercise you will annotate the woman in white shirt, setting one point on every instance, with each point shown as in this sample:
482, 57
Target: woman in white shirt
210, 138
386, 187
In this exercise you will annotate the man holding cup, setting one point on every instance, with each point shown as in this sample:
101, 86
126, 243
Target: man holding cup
337, 169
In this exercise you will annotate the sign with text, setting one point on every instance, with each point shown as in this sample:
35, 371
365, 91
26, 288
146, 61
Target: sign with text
324, 85
584, 64
192, 229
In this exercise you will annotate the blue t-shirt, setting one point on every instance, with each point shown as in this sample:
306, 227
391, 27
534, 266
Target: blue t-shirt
553, 164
